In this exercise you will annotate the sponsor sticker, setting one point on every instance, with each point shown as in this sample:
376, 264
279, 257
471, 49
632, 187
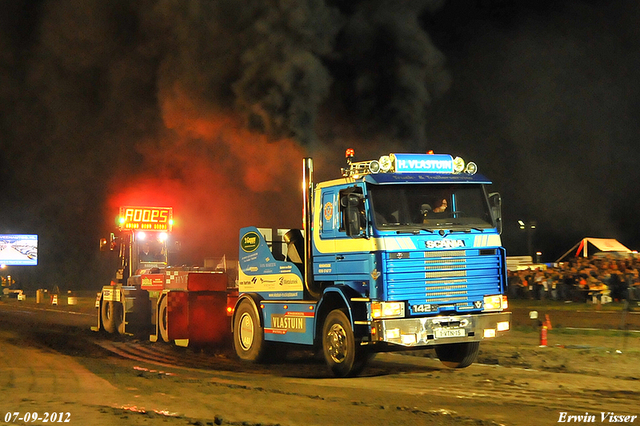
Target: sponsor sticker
250, 242
288, 323
328, 211
152, 281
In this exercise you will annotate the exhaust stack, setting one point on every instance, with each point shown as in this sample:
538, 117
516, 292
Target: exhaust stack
307, 226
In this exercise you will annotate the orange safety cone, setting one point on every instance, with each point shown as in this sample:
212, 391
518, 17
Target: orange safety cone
543, 336
547, 322
54, 299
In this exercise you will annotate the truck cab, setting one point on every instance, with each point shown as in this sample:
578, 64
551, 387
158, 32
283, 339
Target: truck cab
403, 252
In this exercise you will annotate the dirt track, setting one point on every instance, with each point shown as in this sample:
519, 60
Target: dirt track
50, 362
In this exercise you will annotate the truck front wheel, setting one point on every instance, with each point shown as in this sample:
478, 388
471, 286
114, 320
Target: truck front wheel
458, 355
111, 314
341, 353
248, 335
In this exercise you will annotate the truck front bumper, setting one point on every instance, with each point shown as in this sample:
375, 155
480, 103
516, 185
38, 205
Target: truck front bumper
428, 331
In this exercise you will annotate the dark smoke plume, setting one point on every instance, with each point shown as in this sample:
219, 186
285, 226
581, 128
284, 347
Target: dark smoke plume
389, 69
206, 105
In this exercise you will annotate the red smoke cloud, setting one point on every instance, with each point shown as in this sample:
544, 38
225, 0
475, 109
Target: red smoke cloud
217, 176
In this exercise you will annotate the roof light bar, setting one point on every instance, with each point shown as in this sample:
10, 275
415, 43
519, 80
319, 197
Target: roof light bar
409, 163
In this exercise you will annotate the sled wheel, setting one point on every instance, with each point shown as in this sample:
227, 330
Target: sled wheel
111, 315
458, 355
163, 319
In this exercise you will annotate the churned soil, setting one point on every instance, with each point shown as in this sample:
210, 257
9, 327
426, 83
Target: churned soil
50, 362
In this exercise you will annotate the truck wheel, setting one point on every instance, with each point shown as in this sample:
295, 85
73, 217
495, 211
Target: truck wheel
341, 353
111, 315
248, 335
458, 355
163, 318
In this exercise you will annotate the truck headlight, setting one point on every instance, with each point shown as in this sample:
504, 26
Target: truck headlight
503, 326
387, 310
494, 303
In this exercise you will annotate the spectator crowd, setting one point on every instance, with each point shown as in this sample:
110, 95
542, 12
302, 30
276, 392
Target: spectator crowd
580, 279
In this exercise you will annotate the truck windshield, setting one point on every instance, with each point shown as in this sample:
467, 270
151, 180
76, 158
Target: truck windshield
152, 251
428, 207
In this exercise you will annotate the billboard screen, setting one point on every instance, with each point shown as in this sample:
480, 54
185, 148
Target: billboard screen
18, 249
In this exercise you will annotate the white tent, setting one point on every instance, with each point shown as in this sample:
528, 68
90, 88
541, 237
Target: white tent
601, 244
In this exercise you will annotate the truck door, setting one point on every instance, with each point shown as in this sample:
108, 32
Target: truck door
340, 258
325, 248
354, 256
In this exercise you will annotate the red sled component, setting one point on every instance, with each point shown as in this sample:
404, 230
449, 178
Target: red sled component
199, 317
194, 310
195, 281
207, 282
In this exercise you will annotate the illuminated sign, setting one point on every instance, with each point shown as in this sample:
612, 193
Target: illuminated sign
146, 218
423, 163
18, 249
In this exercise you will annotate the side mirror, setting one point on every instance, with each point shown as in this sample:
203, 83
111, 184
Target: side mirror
495, 202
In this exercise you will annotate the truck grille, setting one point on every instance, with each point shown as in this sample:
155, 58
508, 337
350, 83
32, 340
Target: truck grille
443, 280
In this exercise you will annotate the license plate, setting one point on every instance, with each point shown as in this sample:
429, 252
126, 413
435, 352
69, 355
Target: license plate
443, 333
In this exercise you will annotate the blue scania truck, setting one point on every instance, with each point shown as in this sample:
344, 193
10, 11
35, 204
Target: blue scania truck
399, 253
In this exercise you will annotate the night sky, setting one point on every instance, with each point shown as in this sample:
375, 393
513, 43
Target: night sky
210, 106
